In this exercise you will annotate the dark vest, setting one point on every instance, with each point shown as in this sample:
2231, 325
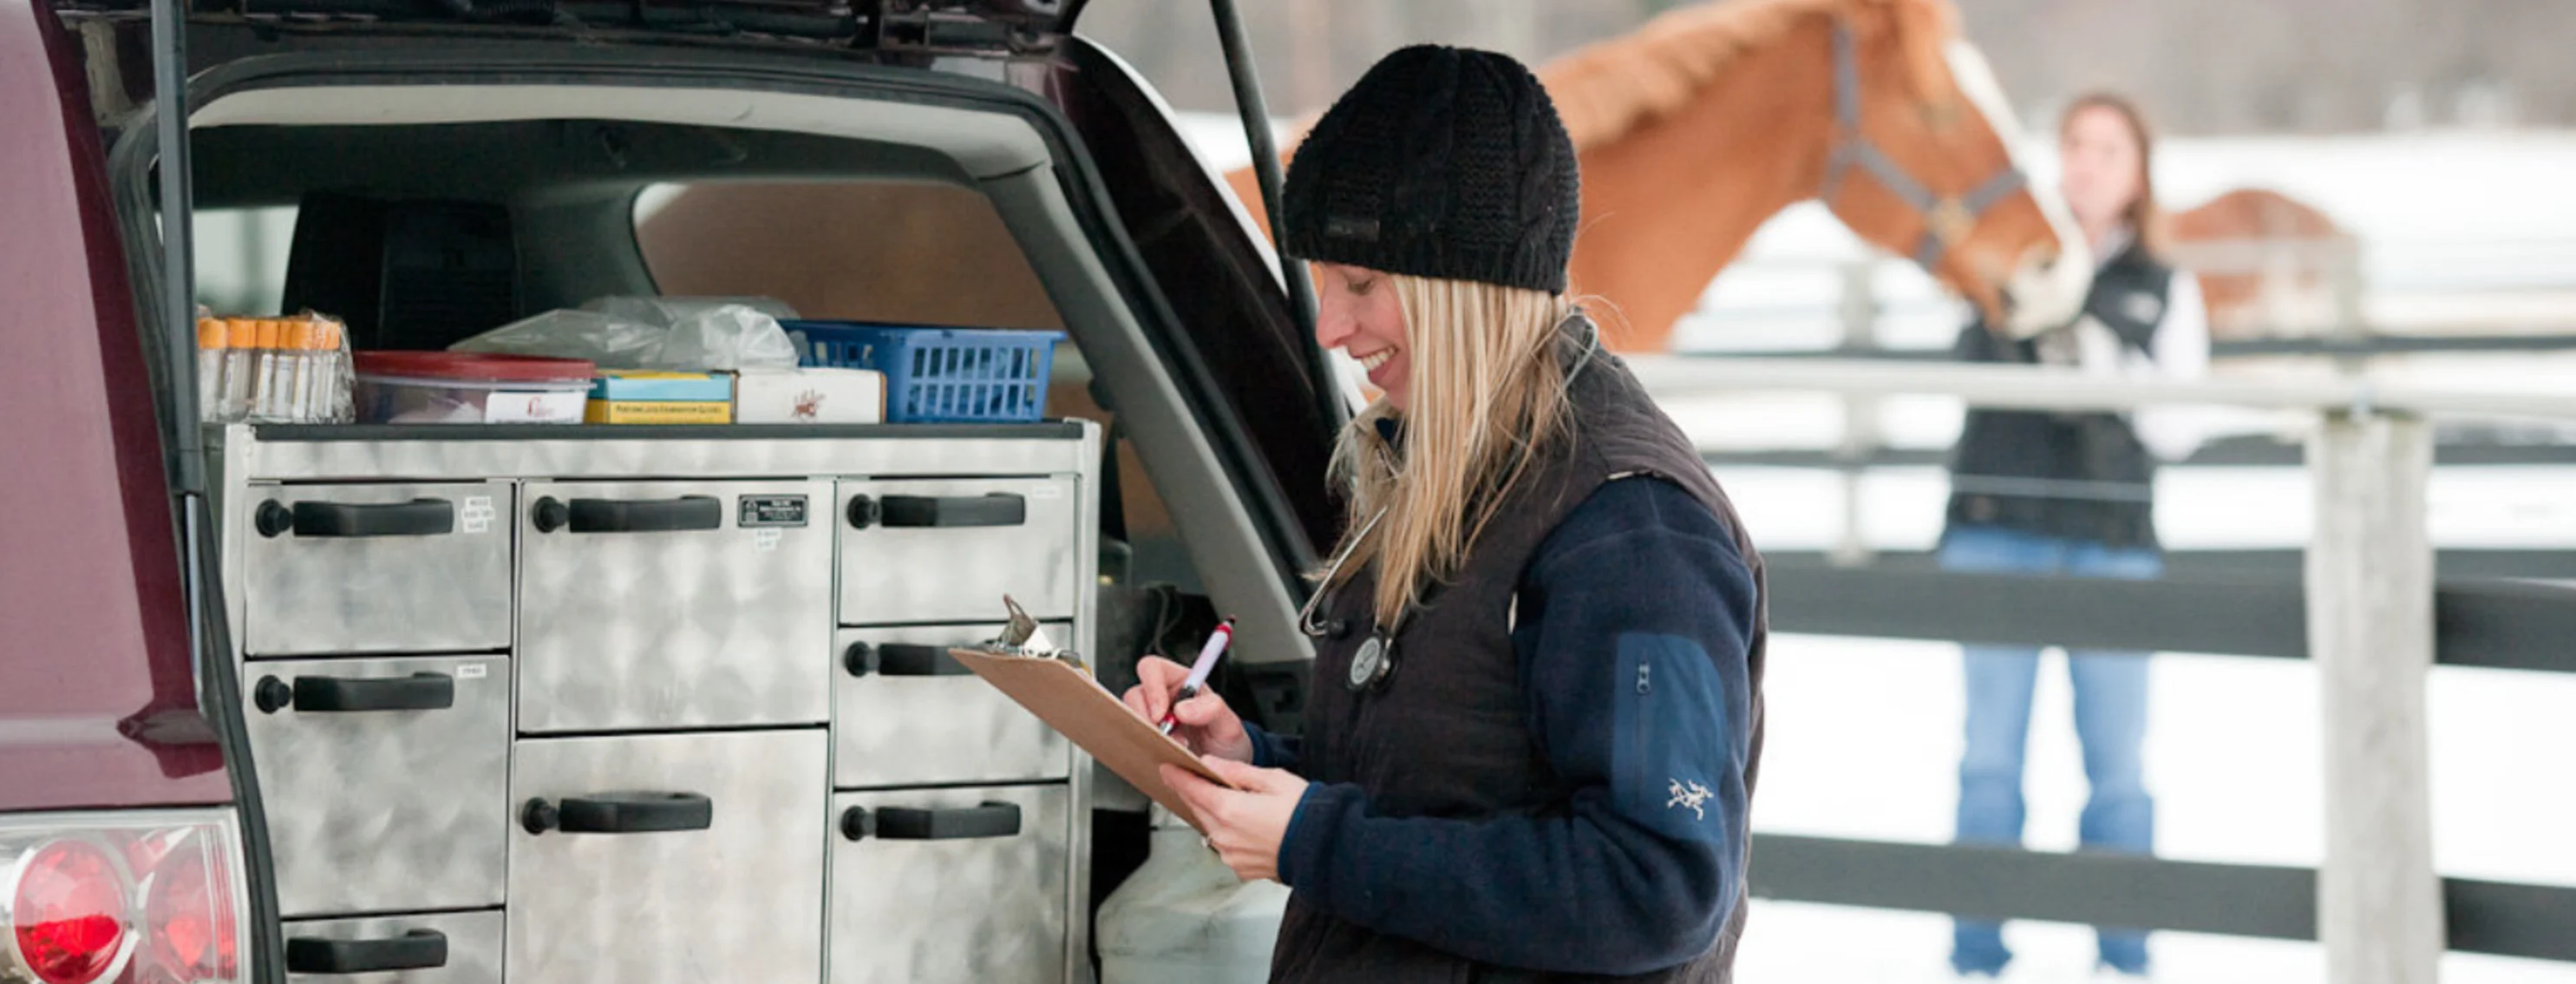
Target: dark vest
1446, 735
2078, 476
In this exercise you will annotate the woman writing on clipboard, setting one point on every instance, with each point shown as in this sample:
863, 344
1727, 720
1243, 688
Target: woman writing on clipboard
1532, 740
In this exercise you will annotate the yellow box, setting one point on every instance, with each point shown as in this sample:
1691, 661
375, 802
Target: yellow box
658, 412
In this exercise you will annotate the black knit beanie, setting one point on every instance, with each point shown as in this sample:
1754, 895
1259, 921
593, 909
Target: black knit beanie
1442, 162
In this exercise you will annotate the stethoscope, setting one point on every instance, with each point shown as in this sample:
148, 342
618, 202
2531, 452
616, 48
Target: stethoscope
1375, 660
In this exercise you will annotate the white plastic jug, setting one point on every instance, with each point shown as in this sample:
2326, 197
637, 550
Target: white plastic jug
1184, 916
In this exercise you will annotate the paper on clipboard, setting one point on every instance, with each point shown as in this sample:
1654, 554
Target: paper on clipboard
1070, 701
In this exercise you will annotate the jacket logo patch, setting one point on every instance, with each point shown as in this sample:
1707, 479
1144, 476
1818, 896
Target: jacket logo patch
2143, 307
1694, 796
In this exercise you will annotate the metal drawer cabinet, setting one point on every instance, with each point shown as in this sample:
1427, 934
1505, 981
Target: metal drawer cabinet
947, 550
373, 568
446, 948
948, 886
904, 713
386, 780
680, 858
674, 605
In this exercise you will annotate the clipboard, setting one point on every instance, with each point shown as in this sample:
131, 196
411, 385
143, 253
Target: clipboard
1073, 703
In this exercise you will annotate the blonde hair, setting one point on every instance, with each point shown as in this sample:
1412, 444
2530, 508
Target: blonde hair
1487, 391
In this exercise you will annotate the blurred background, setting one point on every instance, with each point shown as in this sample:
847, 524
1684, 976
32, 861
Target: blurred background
2207, 66
2436, 139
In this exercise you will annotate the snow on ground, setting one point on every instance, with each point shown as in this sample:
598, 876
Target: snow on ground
2501, 507
1864, 743
1864, 737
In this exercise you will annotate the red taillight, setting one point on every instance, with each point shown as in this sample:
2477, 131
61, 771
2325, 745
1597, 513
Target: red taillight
188, 919
144, 897
69, 913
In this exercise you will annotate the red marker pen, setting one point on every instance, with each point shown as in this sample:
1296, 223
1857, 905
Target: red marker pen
1216, 644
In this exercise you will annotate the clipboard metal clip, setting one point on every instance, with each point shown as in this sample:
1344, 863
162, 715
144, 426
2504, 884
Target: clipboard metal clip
1022, 636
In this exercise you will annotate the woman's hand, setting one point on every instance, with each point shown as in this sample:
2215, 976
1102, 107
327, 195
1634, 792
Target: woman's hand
1245, 825
1204, 724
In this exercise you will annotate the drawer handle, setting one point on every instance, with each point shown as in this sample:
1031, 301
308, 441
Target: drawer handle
912, 823
918, 511
620, 813
420, 949
419, 517
694, 512
901, 660
417, 692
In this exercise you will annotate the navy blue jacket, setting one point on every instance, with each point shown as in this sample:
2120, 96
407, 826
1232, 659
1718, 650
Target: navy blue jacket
1640, 590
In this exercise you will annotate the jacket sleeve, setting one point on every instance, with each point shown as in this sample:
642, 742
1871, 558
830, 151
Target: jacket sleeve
1272, 751
2181, 351
1635, 623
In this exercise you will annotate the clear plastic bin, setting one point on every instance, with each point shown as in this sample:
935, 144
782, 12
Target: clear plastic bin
469, 388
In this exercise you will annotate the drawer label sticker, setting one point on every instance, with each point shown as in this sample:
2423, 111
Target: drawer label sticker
472, 671
475, 516
771, 510
766, 540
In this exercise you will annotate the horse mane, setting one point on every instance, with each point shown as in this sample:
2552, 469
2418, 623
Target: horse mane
1611, 88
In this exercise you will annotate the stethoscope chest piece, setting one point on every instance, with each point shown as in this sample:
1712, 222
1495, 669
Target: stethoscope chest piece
1373, 663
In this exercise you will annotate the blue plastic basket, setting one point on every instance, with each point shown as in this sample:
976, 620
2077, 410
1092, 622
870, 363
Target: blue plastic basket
940, 375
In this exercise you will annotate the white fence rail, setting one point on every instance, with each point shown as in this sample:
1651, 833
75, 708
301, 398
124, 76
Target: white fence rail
2369, 590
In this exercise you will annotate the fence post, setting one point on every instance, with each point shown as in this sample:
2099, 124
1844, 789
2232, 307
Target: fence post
2343, 278
1859, 310
2370, 629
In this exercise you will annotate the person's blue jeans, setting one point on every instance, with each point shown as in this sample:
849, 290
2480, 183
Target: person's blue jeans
2110, 720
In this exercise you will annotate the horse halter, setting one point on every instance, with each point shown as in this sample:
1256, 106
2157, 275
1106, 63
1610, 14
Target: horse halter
1947, 219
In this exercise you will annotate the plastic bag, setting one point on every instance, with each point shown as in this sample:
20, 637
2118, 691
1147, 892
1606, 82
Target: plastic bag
727, 336
668, 311
623, 332
611, 341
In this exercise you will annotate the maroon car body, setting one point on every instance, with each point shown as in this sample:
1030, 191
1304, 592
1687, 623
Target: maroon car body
98, 704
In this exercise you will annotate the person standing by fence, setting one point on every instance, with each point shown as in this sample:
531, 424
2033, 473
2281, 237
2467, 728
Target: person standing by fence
2072, 495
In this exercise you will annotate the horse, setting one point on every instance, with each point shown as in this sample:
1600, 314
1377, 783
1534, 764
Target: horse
2266, 261
1708, 120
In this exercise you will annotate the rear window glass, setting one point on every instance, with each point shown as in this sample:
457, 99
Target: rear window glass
903, 252
241, 257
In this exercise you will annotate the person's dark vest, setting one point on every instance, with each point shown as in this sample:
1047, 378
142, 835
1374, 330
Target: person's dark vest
2077, 476
1447, 734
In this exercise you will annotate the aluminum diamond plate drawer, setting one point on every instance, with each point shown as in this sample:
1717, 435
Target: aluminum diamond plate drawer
903, 713
668, 859
950, 885
649, 605
386, 780
947, 550
374, 568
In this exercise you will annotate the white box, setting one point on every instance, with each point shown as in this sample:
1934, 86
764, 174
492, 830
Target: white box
809, 396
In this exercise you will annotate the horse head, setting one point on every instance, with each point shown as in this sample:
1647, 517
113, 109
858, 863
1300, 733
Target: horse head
1923, 159
1709, 119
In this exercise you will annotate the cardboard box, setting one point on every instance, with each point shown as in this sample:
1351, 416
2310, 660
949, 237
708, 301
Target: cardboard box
809, 396
657, 412
645, 396
659, 386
